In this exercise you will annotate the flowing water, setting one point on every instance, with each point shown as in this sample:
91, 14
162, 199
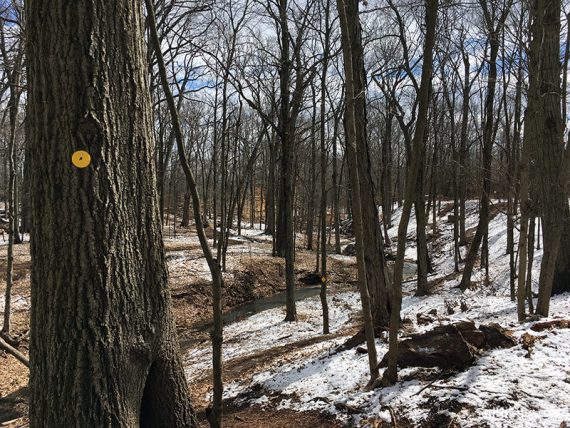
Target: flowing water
278, 300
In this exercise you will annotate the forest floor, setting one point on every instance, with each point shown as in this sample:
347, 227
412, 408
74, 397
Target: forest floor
251, 274
276, 366
280, 374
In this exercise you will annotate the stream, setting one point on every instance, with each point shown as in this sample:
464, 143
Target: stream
278, 300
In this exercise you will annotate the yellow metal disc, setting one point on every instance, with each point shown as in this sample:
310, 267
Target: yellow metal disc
81, 159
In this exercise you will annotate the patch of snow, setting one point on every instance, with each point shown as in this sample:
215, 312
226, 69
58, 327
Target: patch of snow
268, 329
503, 388
17, 303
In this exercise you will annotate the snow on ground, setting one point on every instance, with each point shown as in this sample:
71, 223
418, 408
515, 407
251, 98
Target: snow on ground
17, 303
267, 329
504, 388
257, 233
193, 264
4, 241
188, 262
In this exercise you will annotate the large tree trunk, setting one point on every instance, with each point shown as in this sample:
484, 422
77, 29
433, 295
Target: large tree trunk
375, 261
103, 348
285, 240
372, 241
285, 200
531, 135
25, 197
561, 281
551, 161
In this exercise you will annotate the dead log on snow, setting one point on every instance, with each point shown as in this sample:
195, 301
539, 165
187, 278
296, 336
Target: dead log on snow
547, 325
451, 346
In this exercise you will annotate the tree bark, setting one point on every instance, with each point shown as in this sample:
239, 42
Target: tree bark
103, 349
551, 161
561, 280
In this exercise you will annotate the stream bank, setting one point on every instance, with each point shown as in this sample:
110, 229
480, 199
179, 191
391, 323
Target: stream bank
198, 331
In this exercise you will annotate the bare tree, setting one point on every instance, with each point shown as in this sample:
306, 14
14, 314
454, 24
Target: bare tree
494, 20
552, 158
13, 57
390, 374
90, 367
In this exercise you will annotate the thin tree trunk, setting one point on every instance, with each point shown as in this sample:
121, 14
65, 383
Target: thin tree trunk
214, 266
450, 101
463, 151
14, 75
387, 174
270, 199
482, 228
252, 200
352, 54
421, 239
185, 222
336, 185
324, 279
313, 169
390, 374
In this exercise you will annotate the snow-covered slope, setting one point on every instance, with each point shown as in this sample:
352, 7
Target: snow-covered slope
504, 388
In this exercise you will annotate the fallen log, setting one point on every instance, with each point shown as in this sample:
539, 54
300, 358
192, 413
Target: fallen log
451, 346
13, 351
547, 325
